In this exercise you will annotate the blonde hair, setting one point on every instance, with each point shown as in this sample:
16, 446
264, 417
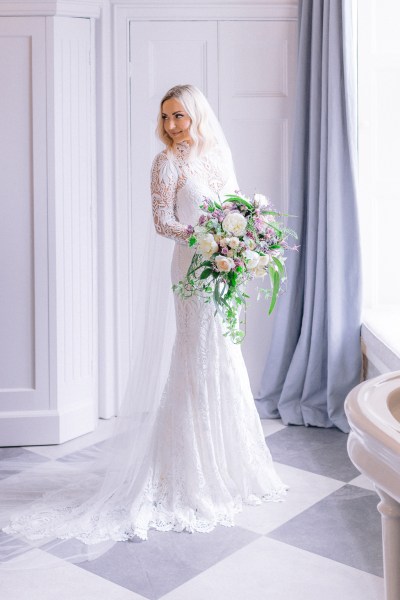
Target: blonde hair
205, 130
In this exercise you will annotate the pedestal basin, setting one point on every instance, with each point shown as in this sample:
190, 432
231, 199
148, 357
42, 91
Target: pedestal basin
373, 411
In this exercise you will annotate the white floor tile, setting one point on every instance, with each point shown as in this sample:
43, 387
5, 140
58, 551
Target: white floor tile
305, 489
271, 426
270, 570
63, 582
102, 432
364, 482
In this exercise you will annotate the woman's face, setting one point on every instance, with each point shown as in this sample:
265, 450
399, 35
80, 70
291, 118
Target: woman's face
176, 121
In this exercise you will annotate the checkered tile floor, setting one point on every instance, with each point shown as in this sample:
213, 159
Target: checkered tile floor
324, 541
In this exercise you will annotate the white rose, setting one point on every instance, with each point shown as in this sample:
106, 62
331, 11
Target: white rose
207, 244
235, 224
223, 263
260, 200
260, 272
199, 229
252, 259
250, 243
264, 260
234, 242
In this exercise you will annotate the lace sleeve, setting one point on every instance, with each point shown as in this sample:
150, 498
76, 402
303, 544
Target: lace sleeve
164, 181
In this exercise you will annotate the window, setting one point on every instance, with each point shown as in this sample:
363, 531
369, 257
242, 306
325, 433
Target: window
379, 164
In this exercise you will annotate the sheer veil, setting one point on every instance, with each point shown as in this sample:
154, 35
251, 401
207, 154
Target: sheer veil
78, 507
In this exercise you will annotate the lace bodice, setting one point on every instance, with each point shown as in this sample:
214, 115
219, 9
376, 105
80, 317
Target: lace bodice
179, 184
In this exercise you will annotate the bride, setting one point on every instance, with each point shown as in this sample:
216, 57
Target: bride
187, 452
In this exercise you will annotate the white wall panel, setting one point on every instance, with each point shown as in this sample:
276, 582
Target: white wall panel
74, 190
23, 208
48, 276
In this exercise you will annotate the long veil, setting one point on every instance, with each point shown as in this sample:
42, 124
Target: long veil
86, 497
76, 508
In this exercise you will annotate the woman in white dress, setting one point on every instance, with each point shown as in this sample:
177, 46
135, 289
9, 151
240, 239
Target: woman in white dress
195, 453
210, 456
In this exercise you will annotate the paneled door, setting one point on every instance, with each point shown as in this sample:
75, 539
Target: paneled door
247, 71
162, 54
257, 70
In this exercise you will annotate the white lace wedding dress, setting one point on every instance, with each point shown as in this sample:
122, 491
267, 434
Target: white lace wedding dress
210, 454
207, 454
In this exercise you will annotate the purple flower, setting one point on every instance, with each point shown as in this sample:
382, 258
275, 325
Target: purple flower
224, 251
259, 224
203, 219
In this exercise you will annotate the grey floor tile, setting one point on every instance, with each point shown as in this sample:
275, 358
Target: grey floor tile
21, 457
344, 527
167, 559
321, 451
87, 453
11, 547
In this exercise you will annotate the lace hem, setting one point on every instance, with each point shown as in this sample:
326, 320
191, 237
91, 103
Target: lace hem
151, 516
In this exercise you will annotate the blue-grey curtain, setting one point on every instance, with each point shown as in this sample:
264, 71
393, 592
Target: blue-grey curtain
315, 356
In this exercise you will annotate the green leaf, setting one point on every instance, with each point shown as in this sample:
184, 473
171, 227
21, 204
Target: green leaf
279, 232
271, 212
279, 266
206, 273
192, 240
196, 267
232, 275
216, 294
275, 289
239, 200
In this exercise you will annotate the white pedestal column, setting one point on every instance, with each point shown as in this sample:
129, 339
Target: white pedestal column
390, 512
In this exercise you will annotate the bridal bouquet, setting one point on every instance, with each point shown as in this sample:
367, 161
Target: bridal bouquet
236, 241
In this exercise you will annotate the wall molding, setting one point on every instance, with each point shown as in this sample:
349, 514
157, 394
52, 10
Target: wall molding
45, 8
50, 426
209, 11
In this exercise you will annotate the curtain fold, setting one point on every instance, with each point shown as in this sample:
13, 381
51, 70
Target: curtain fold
315, 356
